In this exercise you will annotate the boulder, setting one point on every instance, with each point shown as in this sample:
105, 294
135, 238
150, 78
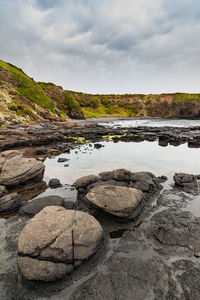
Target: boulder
83, 182
3, 190
182, 178
18, 170
54, 183
55, 241
116, 200
10, 203
188, 182
145, 181
33, 207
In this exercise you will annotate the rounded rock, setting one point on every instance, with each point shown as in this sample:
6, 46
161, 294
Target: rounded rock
18, 170
57, 236
116, 200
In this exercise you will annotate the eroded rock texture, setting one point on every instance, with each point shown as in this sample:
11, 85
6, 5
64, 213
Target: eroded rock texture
56, 240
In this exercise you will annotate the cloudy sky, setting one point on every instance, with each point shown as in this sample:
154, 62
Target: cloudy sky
105, 46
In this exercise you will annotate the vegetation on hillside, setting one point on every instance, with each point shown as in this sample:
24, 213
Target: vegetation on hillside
22, 96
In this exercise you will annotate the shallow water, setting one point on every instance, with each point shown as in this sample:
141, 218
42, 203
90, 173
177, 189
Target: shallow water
151, 123
144, 156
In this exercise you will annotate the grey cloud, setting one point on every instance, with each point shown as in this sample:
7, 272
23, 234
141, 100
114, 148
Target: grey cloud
103, 46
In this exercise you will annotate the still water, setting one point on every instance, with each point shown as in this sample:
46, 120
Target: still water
144, 156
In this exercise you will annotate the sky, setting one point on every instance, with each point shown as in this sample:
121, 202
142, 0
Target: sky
105, 46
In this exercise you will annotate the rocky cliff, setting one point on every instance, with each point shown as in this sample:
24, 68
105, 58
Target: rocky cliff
23, 100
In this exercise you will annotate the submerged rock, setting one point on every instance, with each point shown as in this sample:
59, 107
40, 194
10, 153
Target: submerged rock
35, 206
18, 170
10, 203
56, 240
116, 200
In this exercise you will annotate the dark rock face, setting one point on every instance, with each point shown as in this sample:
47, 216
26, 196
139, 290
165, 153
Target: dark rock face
54, 183
35, 206
41, 151
188, 182
55, 241
10, 203
62, 159
176, 228
182, 178
3, 190
144, 181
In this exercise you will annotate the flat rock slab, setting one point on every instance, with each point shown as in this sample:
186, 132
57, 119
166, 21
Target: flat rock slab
56, 240
35, 206
18, 170
116, 200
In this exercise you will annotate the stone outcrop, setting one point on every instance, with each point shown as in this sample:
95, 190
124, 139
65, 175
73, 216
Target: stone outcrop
56, 240
144, 181
116, 200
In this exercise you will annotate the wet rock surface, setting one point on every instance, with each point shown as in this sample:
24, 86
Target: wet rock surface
57, 240
154, 256
54, 183
144, 181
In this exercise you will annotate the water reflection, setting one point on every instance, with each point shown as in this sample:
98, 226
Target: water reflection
144, 156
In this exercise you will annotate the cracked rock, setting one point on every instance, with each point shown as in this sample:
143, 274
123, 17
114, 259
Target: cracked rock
57, 240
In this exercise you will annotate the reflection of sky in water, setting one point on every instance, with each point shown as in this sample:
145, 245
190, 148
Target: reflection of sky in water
145, 156
151, 123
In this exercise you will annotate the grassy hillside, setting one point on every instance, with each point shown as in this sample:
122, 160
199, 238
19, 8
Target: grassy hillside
24, 100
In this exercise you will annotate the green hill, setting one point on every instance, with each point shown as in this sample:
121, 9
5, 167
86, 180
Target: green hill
24, 100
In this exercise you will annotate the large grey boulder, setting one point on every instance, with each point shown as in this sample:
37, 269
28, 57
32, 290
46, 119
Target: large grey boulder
57, 240
33, 207
116, 200
18, 170
10, 203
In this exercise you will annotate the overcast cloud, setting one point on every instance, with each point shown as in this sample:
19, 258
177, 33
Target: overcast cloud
105, 46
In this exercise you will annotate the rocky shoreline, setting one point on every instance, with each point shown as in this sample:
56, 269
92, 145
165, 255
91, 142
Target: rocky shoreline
63, 136
147, 244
